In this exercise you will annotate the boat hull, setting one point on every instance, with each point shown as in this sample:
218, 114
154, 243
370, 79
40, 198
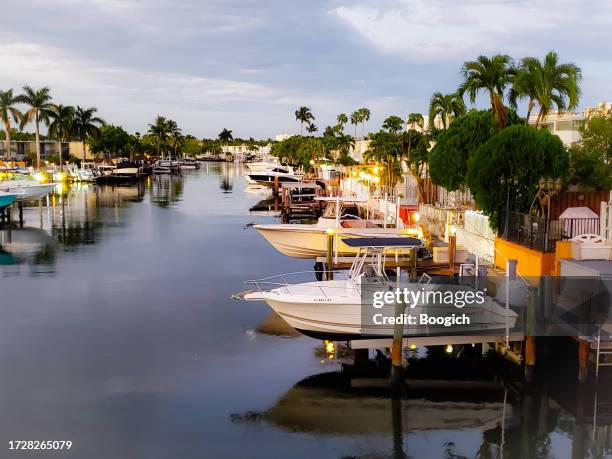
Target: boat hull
6, 199
310, 241
30, 192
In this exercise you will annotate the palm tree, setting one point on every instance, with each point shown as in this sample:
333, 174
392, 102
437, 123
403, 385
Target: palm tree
8, 110
40, 105
548, 83
342, 120
226, 136
345, 143
355, 120
311, 128
160, 130
364, 116
447, 106
60, 126
393, 124
86, 125
177, 141
491, 75
414, 120
303, 115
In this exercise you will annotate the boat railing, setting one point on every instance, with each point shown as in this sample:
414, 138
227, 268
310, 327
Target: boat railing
287, 280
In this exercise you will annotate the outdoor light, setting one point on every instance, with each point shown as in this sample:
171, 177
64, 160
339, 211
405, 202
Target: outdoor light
362, 175
453, 230
449, 349
416, 217
376, 169
330, 231
413, 347
375, 179
354, 173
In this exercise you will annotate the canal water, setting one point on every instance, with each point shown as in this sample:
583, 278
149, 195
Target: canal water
118, 333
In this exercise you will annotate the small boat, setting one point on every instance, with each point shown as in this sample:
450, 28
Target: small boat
127, 169
162, 167
340, 216
6, 199
189, 164
337, 309
278, 175
26, 187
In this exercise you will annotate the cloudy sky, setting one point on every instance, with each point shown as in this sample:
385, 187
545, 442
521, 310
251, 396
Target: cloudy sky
248, 64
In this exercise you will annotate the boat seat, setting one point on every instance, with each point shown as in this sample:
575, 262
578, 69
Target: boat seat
357, 224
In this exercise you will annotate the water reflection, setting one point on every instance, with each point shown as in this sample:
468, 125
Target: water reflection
165, 189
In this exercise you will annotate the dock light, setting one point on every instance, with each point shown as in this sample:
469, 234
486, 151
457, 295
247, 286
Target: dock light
329, 347
413, 347
449, 349
40, 178
453, 230
416, 217
376, 169
354, 173
330, 231
362, 175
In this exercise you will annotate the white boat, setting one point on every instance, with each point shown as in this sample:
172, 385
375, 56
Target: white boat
26, 187
265, 165
270, 177
340, 217
189, 164
126, 169
334, 309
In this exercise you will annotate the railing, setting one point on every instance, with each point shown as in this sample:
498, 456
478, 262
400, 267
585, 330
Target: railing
542, 234
281, 280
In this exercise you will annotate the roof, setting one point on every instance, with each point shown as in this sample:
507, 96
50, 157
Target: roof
399, 241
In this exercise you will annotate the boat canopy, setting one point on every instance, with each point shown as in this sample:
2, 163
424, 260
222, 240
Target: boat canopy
383, 242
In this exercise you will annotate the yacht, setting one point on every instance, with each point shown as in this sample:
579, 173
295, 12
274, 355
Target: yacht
189, 164
26, 187
334, 309
257, 166
340, 217
278, 174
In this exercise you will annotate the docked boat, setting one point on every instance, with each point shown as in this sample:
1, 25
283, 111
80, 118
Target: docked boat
340, 216
26, 187
6, 199
258, 166
127, 169
335, 309
278, 174
189, 164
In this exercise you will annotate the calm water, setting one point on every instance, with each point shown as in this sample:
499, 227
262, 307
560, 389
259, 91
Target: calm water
117, 332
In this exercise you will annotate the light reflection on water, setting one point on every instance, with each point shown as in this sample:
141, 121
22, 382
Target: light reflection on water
117, 332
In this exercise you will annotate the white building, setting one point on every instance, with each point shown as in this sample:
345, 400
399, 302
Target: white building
281, 137
241, 151
567, 125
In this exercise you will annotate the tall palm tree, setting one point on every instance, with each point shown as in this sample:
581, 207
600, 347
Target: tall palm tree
311, 128
492, 75
393, 124
40, 105
356, 119
160, 130
86, 125
226, 135
303, 115
342, 120
553, 83
60, 126
414, 120
8, 111
447, 106
364, 116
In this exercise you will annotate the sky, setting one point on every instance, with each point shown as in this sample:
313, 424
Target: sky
248, 65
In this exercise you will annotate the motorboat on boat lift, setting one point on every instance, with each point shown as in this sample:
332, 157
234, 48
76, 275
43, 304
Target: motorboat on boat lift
278, 174
333, 309
340, 217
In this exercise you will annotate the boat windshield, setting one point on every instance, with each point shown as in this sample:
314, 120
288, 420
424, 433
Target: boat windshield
349, 210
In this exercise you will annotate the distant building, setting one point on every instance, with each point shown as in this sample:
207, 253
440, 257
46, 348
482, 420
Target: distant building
567, 125
241, 151
281, 137
357, 151
20, 148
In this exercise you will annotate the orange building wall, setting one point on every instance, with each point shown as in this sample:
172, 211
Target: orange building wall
529, 262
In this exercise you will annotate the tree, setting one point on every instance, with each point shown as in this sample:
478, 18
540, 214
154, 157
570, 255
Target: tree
414, 120
111, 140
393, 124
225, 136
518, 156
160, 130
448, 160
342, 120
303, 115
40, 105
355, 120
414, 152
364, 117
492, 75
61, 120
299, 151
8, 111
386, 148
597, 136
447, 106
312, 128
86, 125
553, 83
